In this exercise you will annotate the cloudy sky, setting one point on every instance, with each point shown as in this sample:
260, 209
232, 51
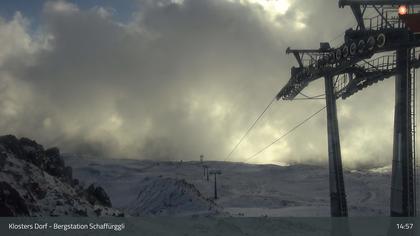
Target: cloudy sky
173, 79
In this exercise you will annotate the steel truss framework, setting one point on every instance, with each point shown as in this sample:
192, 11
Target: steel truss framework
377, 48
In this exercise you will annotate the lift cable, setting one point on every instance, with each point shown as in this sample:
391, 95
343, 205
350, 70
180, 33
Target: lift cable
295, 99
285, 134
250, 128
268, 106
307, 96
317, 97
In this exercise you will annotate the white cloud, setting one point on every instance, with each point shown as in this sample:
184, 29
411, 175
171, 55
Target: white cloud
177, 81
272, 7
104, 12
61, 6
14, 40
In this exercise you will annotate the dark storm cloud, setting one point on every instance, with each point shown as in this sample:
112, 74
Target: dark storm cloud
179, 80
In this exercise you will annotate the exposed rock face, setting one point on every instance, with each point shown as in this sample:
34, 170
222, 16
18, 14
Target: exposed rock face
97, 195
11, 203
3, 158
28, 150
36, 182
54, 164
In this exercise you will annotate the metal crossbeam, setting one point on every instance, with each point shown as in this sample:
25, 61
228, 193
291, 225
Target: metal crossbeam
371, 72
361, 45
343, 3
348, 69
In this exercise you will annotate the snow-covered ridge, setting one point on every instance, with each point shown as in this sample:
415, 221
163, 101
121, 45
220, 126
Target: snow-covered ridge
168, 196
243, 189
36, 182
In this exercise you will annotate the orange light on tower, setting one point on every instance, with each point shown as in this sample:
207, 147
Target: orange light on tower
403, 10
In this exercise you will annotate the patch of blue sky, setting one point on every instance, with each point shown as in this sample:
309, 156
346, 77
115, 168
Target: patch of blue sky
32, 9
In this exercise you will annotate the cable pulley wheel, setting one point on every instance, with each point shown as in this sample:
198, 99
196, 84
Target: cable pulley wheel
370, 43
331, 57
353, 48
338, 54
380, 40
345, 51
361, 46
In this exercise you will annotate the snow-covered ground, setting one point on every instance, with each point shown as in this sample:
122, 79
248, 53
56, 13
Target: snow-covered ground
244, 189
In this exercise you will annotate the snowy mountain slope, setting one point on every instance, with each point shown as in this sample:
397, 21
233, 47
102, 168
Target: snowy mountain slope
168, 196
244, 189
34, 182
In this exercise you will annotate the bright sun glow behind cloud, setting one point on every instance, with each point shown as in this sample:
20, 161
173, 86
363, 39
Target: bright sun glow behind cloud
273, 7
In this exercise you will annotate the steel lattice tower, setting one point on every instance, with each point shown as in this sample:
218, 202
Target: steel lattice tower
357, 64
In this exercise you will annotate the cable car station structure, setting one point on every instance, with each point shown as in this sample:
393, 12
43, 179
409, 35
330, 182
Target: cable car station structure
378, 48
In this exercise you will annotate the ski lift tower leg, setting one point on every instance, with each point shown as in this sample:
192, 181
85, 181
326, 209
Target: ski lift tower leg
402, 185
337, 190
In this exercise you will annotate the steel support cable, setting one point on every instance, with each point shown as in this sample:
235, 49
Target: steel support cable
250, 128
306, 97
285, 134
316, 96
268, 106
294, 99
278, 139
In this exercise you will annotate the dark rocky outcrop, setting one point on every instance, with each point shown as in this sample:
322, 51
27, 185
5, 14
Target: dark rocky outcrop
49, 160
97, 195
3, 157
11, 143
36, 182
54, 164
11, 203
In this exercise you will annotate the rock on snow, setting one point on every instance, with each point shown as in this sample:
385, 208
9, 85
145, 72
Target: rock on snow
36, 182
